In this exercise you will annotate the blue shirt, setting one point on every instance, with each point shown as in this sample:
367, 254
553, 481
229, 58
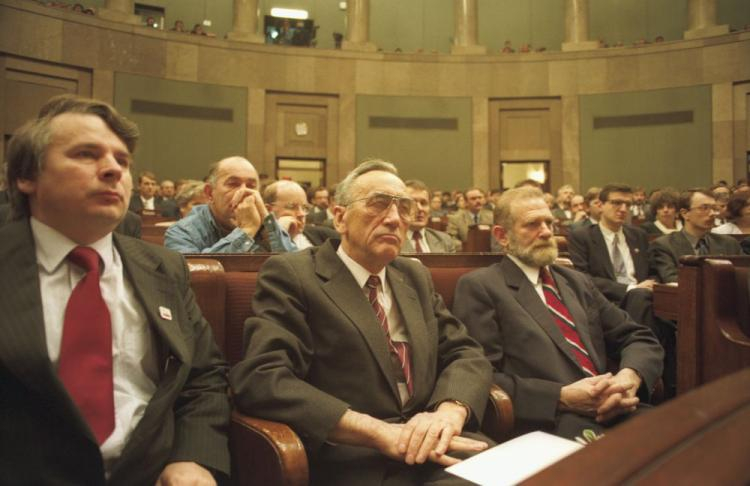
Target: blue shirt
198, 232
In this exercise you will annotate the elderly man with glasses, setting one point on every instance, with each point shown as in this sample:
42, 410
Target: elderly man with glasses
287, 201
697, 209
352, 347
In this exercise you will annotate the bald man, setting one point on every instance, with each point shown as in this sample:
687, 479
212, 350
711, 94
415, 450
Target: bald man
235, 220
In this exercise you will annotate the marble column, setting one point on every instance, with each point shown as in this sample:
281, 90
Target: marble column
119, 11
245, 22
358, 27
702, 20
577, 27
466, 31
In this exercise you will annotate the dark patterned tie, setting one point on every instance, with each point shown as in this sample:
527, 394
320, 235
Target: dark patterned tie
85, 365
564, 321
417, 237
399, 349
702, 246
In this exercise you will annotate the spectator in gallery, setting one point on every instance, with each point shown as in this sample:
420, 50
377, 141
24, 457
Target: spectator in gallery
738, 215
179, 26
198, 30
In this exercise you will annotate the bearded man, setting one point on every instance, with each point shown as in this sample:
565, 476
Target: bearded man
549, 332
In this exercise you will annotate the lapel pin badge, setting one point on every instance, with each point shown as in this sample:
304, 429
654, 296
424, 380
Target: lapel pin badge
165, 313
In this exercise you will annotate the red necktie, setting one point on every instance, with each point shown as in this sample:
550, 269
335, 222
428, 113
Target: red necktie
400, 349
417, 237
564, 321
85, 365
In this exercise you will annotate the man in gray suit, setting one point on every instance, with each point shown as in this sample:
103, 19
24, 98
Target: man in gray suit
420, 238
106, 375
352, 347
698, 210
548, 331
474, 214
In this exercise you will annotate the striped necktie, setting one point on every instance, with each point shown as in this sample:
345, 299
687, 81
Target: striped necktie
564, 321
398, 348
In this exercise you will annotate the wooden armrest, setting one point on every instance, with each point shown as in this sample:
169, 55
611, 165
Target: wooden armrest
266, 453
498, 417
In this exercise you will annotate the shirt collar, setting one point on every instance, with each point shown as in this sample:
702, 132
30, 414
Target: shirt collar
52, 246
532, 273
360, 273
609, 234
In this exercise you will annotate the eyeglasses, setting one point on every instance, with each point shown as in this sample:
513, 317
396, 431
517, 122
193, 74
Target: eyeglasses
380, 202
703, 208
304, 208
619, 202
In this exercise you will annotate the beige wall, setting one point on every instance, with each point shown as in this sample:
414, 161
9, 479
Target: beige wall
60, 38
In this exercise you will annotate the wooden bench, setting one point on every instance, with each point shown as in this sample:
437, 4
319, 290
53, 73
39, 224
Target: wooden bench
266, 452
702, 437
712, 337
153, 234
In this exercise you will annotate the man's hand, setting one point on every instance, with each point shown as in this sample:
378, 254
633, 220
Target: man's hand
620, 402
247, 205
185, 473
431, 431
290, 225
646, 284
363, 430
585, 396
580, 215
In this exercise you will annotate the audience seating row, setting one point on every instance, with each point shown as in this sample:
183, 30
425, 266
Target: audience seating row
266, 452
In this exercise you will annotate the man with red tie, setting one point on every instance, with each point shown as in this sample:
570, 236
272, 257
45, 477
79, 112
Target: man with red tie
352, 348
548, 331
108, 371
420, 238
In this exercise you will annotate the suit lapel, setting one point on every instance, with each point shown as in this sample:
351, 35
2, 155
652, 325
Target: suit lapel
344, 292
23, 347
411, 314
600, 249
640, 260
156, 293
529, 300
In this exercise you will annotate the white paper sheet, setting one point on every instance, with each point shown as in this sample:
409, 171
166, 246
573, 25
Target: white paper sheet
513, 461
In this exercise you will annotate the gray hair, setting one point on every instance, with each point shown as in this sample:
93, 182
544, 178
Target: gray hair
510, 199
345, 187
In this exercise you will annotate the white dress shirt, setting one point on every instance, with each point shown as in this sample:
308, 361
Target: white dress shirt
134, 357
422, 243
385, 299
301, 241
627, 258
148, 203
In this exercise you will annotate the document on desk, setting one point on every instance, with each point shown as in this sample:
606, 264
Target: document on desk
513, 461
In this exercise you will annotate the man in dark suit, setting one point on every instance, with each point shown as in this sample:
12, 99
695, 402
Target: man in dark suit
287, 201
353, 349
549, 332
106, 375
147, 200
420, 238
474, 214
697, 209
320, 212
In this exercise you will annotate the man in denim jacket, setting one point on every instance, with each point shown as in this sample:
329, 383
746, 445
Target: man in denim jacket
235, 219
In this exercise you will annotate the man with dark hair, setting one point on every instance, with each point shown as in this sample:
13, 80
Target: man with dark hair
697, 209
352, 347
287, 201
420, 238
108, 372
147, 200
321, 211
548, 331
235, 220
593, 208
474, 214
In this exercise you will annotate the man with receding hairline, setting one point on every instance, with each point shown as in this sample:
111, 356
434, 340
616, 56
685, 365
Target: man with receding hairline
549, 332
352, 347
235, 220
108, 372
